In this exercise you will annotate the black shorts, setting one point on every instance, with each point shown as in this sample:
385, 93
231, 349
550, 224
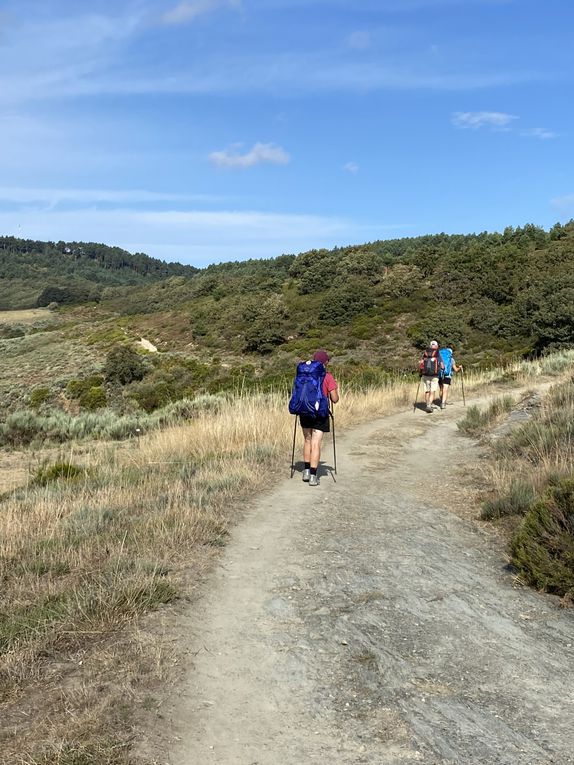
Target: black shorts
317, 423
445, 380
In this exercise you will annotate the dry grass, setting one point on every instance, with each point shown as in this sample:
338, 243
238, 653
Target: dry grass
84, 556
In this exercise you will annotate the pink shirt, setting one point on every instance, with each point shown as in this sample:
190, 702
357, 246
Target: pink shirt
329, 384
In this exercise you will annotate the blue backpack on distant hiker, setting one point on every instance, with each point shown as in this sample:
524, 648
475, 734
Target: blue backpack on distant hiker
446, 357
307, 397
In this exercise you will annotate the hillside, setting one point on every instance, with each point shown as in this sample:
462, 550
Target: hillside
36, 273
493, 296
489, 294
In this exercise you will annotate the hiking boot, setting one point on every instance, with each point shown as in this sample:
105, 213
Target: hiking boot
313, 480
306, 474
428, 409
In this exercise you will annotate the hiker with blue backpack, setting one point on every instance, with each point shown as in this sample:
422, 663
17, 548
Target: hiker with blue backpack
445, 377
314, 390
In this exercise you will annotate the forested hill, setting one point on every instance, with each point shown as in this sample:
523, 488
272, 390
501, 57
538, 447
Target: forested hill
37, 273
491, 294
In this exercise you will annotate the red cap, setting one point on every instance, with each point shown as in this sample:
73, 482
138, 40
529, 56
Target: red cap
321, 356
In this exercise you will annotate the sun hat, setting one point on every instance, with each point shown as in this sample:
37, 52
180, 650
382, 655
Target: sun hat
433, 344
321, 356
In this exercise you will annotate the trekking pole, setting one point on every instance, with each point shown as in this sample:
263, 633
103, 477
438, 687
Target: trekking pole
293, 452
417, 395
334, 447
462, 383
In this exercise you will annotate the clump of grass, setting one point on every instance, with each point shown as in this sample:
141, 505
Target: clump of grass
557, 363
478, 421
59, 471
543, 547
516, 501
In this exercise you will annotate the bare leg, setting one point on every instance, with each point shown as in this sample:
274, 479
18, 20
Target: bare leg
307, 435
444, 394
316, 441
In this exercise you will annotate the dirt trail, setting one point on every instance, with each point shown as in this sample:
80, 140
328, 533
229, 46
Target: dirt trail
363, 622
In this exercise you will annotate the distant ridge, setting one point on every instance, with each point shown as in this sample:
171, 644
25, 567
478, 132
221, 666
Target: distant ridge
36, 273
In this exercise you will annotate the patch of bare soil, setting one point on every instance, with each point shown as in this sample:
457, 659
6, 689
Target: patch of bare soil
363, 622
27, 316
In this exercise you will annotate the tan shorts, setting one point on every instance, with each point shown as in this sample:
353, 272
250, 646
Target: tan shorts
430, 384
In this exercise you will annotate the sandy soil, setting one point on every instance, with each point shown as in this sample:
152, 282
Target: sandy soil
27, 316
363, 621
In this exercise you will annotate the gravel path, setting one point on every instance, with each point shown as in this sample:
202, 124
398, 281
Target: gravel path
363, 621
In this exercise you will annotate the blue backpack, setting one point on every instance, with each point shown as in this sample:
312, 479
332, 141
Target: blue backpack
307, 397
446, 356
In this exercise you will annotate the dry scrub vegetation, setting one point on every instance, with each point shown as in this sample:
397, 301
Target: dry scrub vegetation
90, 546
531, 476
86, 549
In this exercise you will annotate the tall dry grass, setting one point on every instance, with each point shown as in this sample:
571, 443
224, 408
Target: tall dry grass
84, 554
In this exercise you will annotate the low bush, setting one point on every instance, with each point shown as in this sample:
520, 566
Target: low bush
124, 365
477, 421
38, 397
516, 501
543, 547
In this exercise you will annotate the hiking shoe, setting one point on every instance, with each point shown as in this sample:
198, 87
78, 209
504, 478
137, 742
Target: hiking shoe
428, 409
443, 405
313, 480
306, 474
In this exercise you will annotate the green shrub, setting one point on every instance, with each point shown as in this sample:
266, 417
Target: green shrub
124, 365
446, 325
94, 398
38, 397
557, 363
76, 388
477, 421
543, 547
344, 301
516, 501
11, 331
151, 396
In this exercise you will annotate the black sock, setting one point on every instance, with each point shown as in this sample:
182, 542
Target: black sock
313, 471
307, 466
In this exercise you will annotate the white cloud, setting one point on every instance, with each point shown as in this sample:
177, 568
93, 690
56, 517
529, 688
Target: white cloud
52, 197
259, 154
188, 10
360, 40
477, 120
542, 134
351, 167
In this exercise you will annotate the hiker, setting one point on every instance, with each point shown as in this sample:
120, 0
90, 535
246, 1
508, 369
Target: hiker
445, 377
314, 390
430, 367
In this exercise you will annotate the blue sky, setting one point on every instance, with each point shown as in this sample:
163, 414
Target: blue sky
212, 130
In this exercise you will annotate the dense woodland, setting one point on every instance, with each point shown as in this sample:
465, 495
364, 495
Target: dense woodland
493, 296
